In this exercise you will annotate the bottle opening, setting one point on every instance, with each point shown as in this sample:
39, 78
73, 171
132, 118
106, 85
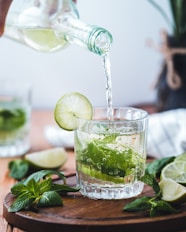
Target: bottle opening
99, 41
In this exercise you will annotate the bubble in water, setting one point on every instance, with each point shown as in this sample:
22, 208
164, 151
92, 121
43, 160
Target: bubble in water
99, 166
104, 159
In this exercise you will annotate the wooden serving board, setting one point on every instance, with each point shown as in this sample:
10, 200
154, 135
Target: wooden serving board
80, 214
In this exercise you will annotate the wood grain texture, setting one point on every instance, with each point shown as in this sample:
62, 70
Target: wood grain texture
82, 214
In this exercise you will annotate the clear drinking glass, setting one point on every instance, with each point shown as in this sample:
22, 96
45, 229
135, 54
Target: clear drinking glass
111, 154
15, 112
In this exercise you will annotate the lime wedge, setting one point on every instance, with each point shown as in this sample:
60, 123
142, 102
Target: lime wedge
47, 159
175, 171
70, 107
101, 176
172, 191
181, 157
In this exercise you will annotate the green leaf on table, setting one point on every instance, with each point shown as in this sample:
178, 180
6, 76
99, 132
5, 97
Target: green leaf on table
22, 201
154, 206
45, 185
37, 176
18, 189
33, 187
18, 168
50, 198
155, 167
140, 204
63, 188
39, 190
160, 207
150, 180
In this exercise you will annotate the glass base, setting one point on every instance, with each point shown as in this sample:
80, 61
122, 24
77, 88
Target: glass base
109, 192
13, 150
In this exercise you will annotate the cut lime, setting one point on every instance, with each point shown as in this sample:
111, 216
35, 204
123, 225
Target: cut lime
175, 171
47, 159
181, 157
44, 39
70, 107
101, 176
172, 191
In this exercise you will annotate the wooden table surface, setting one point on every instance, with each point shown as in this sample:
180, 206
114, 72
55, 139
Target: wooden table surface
38, 142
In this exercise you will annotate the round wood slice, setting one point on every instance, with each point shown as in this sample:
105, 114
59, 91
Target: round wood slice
82, 214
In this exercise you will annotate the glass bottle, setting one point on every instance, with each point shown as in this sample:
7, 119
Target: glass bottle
51, 25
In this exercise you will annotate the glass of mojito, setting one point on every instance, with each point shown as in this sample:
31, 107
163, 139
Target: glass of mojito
111, 154
15, 111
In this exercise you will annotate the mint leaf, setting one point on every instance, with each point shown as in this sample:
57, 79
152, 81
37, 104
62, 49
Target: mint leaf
150, 180
36, 190
18, 189
107, 159
45, 185
154, 206
33, 187
11, 119
160, 207
50, 198
156, 166
140, 204
18, 169
37, 176
22, 201
63, 188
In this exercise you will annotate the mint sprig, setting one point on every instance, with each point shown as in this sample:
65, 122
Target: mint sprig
18, 168
38, 190
21, 168
154, 205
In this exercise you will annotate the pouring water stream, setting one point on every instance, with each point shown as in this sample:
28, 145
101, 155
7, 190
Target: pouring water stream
58, 137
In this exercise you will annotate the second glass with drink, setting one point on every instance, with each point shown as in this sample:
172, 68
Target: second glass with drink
15, 116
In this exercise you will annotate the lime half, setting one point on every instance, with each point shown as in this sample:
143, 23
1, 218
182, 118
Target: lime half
48, 159
175, 171
70, 107
172, 191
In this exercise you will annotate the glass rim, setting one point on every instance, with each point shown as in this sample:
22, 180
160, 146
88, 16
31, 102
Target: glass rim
144, 116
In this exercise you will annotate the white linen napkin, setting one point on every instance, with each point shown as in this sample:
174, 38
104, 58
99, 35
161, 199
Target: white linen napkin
167, 133
58, 137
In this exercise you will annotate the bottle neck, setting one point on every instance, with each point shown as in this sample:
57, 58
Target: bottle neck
96, 39
52, 25
99, 41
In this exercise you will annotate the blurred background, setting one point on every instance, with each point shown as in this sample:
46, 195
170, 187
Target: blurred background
134, 65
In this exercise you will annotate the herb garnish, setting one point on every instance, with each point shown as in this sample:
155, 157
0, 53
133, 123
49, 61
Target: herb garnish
19, 168
38, 190
155, 205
